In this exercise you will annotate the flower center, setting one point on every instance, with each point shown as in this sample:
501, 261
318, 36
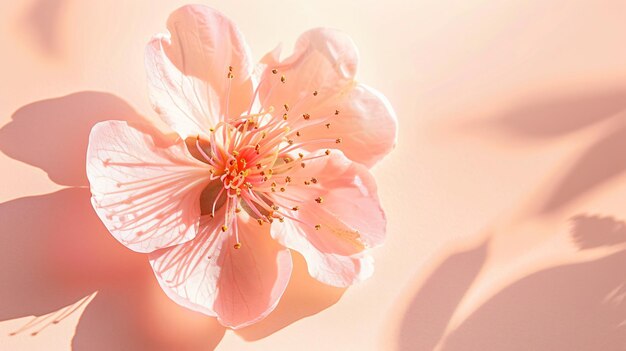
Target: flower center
235, 173
254, 156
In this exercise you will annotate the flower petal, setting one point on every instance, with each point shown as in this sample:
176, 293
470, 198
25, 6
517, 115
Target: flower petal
188, 70
145, 188
329, 268
338, 217
239, 286
253, 278
366, 124
319, 82
189, 273
324, 60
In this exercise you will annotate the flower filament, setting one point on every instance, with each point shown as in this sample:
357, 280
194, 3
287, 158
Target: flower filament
253, 156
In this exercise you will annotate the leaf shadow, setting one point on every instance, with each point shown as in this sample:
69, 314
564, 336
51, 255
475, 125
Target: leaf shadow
570, 307
556, 116
593, 231
433, 305
603, 161
549, 118
42, 22
577, 306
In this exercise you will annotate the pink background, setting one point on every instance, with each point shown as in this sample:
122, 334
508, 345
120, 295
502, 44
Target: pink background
505, 195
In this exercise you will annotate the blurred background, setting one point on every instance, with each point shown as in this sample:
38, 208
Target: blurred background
506, 194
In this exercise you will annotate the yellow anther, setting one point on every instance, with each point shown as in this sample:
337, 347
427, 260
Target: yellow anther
314, 180
318, 227
282, 189
260, 221
301, 155
237, 246
315, 93
336, 112
295, 208
306, 116
238, 209
274, 71
327, 152
302, 165
306, 182
298, 133
285, 116
328, 125
224, 228
286, 106
283, 79
287, 179
338, 141
319, 200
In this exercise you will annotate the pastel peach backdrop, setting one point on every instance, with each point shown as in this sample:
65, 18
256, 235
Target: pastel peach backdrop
505, 195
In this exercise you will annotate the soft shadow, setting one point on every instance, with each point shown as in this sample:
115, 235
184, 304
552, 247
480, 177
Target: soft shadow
570, 307
593, 231
42, 22
557, 116
304, 297
55, 250
602, 161
434, 304
53, 134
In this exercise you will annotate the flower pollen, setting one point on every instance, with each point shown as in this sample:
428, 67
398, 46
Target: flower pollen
245, 152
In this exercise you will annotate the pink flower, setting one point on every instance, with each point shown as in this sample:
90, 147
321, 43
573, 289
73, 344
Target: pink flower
262, 164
